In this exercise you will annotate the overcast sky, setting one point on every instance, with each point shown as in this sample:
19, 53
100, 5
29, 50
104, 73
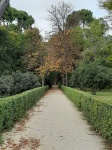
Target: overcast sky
38, 9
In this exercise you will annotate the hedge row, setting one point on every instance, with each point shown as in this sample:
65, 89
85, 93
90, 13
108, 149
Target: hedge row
13, 108
97, 112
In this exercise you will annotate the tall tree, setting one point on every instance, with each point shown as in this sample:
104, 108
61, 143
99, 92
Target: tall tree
42, 67
73, 19
81, 17
8, 16
33, 40
58, 18
23, 20
12, 40
77, 44
11, 50
86, 17
35, 53
95, 41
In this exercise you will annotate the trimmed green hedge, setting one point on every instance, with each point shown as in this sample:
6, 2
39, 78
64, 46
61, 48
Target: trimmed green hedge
97, 112
13, 108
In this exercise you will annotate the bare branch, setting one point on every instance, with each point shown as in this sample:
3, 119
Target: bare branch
58, 15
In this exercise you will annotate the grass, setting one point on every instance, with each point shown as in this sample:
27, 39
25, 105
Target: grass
1, 139
104, 95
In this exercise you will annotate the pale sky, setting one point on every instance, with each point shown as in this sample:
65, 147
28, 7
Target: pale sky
38, 9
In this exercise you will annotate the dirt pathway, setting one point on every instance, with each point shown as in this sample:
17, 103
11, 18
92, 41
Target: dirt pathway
54, 124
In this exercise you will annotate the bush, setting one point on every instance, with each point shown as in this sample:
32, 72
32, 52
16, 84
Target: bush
13, 108
17, 82
92, 76
98, 113
6, 85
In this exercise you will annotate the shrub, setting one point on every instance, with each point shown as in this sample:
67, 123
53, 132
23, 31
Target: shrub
6, 85
92, 76
13, 108
24, 81
17, 82
97, 112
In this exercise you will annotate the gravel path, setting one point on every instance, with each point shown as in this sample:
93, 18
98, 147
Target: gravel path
54, 124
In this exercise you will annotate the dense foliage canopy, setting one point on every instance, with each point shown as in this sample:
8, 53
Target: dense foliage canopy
77, 53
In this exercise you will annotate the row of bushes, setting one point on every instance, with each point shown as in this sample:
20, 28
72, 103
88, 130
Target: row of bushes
13, 108
17, 82
98, 113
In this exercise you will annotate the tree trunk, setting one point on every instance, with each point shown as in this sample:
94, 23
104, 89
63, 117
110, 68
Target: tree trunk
66, 78
42, 81
94, 91
63, 80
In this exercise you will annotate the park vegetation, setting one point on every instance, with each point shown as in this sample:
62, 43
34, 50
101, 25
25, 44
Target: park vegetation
14, 108
81, 48
78, 53
98, 112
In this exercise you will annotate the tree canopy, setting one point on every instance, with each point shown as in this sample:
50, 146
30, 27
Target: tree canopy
77, 46
81, 17
106, 4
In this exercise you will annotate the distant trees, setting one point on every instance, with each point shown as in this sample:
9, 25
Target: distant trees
32, 48
12, 40
11, 50
22, 19
21, 52
58, 18
95, 42
73, 19
94, 69
80, 18
20, 47
67, 41
58, 15
79, 51
86, 17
